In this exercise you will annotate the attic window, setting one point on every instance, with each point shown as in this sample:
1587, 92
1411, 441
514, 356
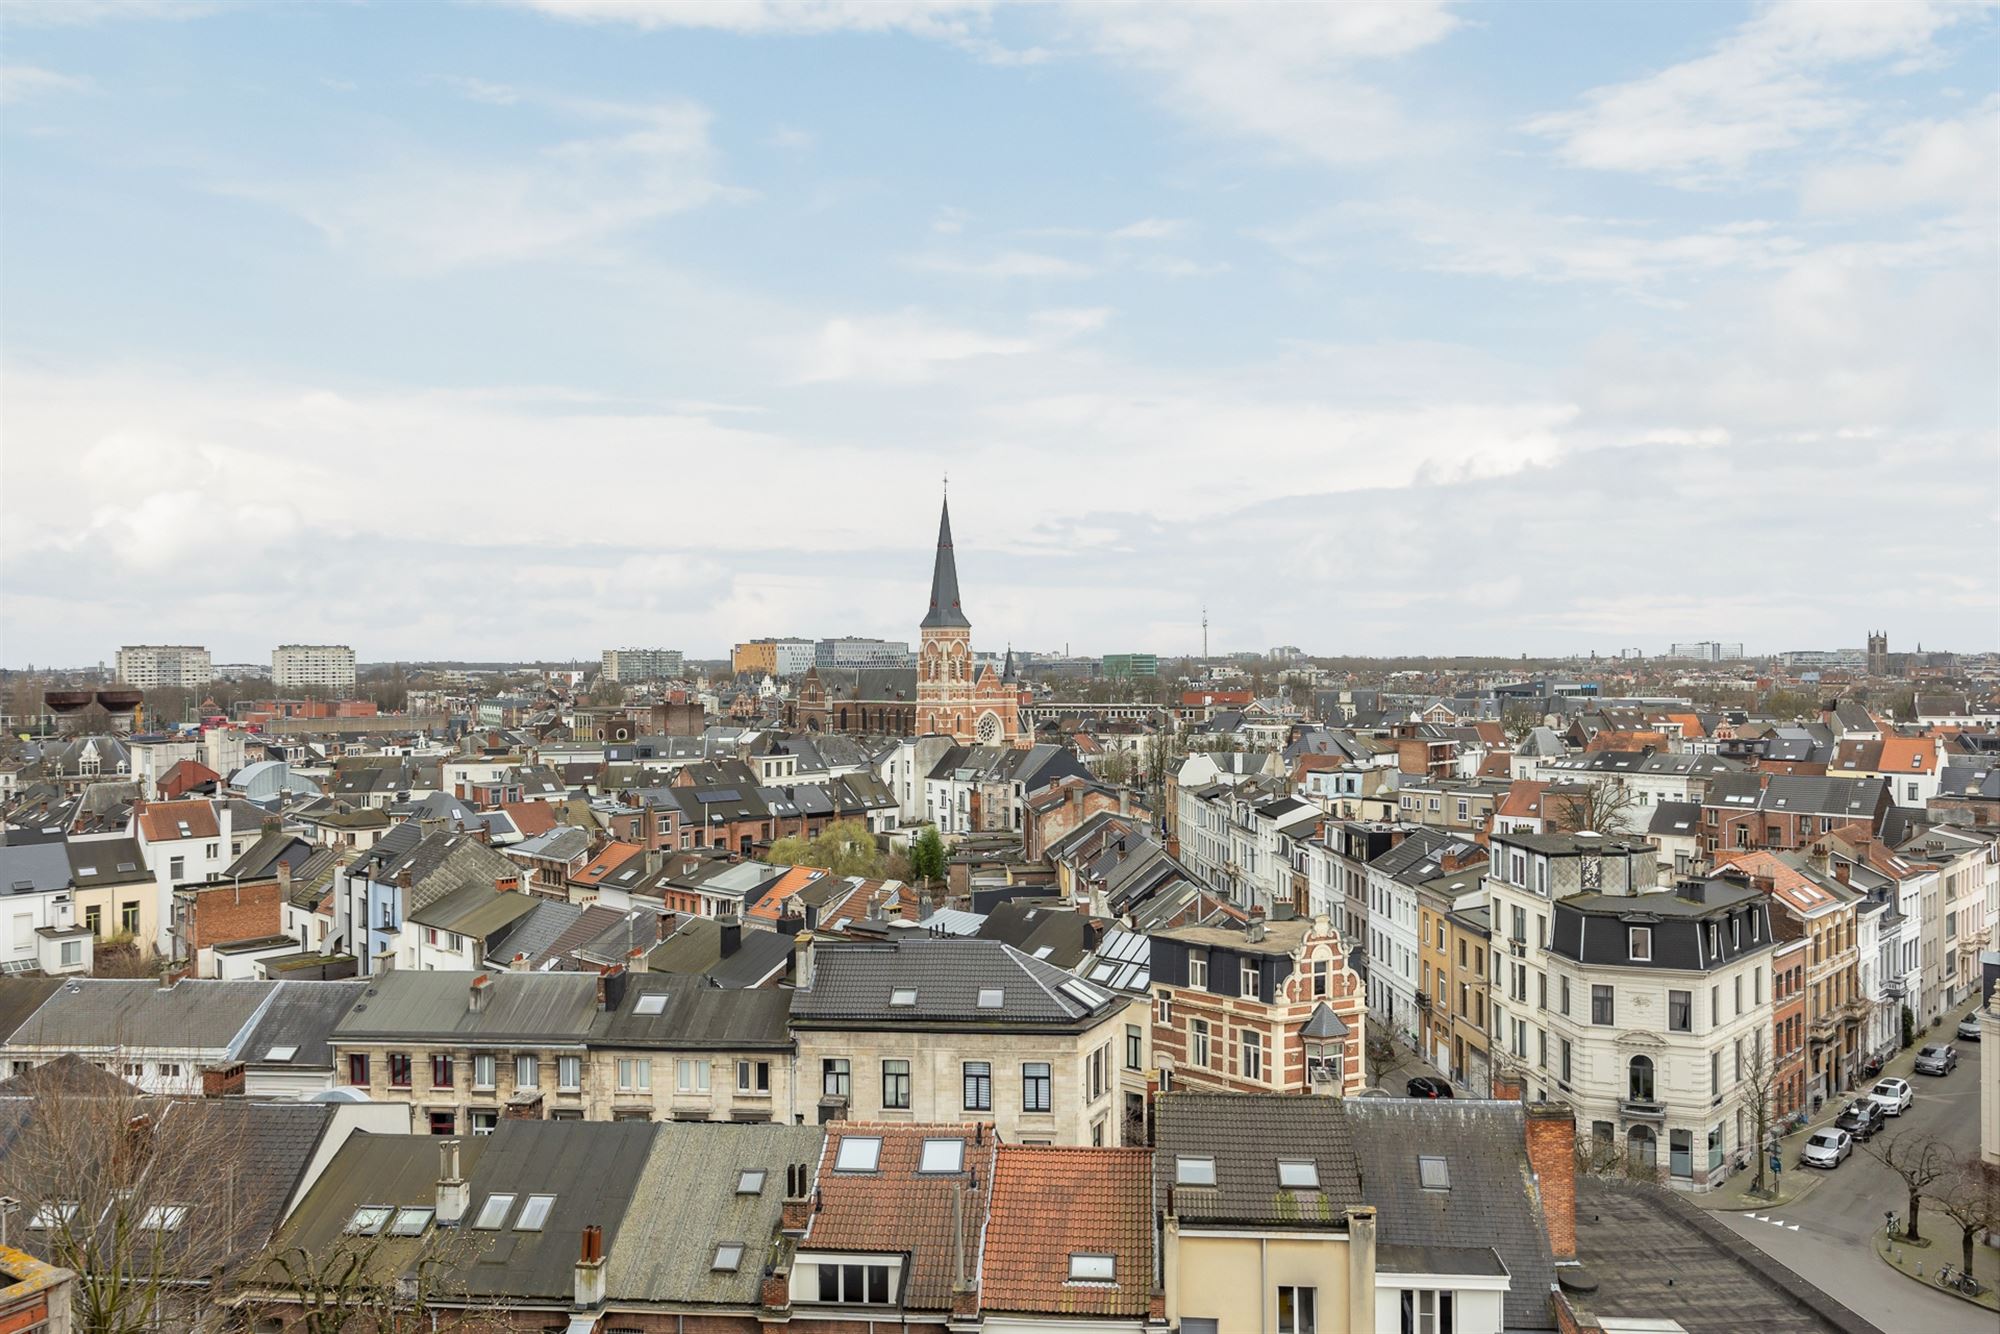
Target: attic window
1298, 1174
903, 996
86, 870
493, 1213
750, 1181
164, 1217
1092, 1268
410, 1222
370, 1219
943, 1155
281, 1053
991, 998
47, 1216
1433, 1174
728, 1256
858, 1153
534, 1213
653, 1002
1194, 1170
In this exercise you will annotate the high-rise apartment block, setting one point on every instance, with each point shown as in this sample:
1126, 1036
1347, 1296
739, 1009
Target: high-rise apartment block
851, 651
1706, 651
327, 667
152, 666
626, 665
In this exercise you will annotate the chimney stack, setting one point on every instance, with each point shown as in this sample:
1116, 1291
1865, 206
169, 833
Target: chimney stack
589, 1292
1552, 1154
482, 986
454, 1195
1361, 1267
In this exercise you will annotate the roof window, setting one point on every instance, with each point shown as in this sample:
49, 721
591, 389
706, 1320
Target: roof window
943, 1155
1433, 1173
493, 1214
858, 1153
653, 1002
410, 1222
750, 1181
991, 998
369, 1220
903, 997
728, 1257
1194, 1170
534, 1213
1298, 1174
281, 1053
164, 1217
1085, 1268
47, 1216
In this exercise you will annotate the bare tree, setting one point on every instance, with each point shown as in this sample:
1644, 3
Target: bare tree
1922, 1161
1759, 1084
370, 1285
1971, 1199
1601, 807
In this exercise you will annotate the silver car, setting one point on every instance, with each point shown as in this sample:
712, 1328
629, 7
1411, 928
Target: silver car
1937, 1059
1827, 1148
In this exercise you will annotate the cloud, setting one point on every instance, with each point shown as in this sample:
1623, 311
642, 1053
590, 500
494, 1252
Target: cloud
791, 138
1949, 165
1150, 229
1006, 264
897, 349
1764, 88
18, 83
427, 212
960, 23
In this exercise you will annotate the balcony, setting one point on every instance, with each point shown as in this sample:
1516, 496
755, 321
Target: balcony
1642, 1109
1424, 1001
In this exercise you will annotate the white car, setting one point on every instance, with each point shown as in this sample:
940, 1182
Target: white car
1893, 1094
1827, 1148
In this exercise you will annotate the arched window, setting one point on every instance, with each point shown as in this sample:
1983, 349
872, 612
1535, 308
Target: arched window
1642, 1149
1639, 1079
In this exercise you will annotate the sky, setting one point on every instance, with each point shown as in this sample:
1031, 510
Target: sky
523, 330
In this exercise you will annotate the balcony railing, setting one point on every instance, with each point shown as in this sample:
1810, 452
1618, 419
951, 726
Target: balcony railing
1642, 1109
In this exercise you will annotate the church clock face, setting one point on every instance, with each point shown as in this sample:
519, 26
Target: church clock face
989, 728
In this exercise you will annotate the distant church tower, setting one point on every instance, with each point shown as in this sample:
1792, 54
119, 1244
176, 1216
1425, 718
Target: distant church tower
950, 702
1878, 653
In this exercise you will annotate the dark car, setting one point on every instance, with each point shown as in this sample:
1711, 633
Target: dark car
1861, 1119
1423, 1086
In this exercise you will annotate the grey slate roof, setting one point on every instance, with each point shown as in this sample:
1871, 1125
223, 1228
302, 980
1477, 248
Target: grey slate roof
33, 868
1246, 1134
20, 997
944, 610
547, 1007
852, 982
696, 1015
301, 1016
107, 1012
1675, 819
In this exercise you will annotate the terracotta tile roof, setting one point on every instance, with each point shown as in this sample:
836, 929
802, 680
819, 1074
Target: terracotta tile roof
186, 775
895, 1209
161, 822
532, 818
1523, 800
1610, 739
1691, 728
1908, 755
1788, 883
1496, 765
614, 856
769, 908
1051, 1203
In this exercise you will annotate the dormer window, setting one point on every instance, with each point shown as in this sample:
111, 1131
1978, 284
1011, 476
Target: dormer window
1250, 988
1198, 968
1639, 943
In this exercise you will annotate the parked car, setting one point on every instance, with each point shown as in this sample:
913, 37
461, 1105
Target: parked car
1892, 1094
1860, 1118
1827, 1148
1423, 1086
1968, 1028
1940, 1058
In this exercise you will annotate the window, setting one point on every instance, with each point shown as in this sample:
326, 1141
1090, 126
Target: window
482, 1070
484, 1121
903, 997
1564, 1053
750, 1181
1194, 1170
858, 1153
1433, 1173
1715, 1072
690, 1076
164, 1217
833, 1077
1601, 1008
177, 868
1296, 1310
72, 953
1197, 968
357, 1069
399, 1069
369, 1220
410, 1222
1680, 1011
978, 1079
1298, 1174
1198, 1041
569, 1073
1321, 967
534, 1213
441, 1070
855, 1283
1738, 989
1680, 1153
636, 1075
1134, 1046
728, 1257
1093, 1268
49, 1216
128, 918
942, 1155
1714, 1148
1248, 974
1639, 942
653, 1002
896, 1085
1167, 1011
1253, 1055
93, 919
1426, 1311
753, 1076
1036, 1087
527, 1071
1565, 995
992, 998
1639, 1079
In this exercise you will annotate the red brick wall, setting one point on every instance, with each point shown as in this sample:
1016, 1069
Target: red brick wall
1552, 1151
28, 1315
225, 912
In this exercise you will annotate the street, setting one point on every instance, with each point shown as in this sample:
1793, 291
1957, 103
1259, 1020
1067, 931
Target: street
1837, 1221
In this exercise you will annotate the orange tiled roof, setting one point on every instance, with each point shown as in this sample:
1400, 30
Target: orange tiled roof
1787, 881
1050, 1203
614, 856
1523, 800
532, 818
1908, 755
897, 1209
771, 906
161, 822
186, 775
1691, 727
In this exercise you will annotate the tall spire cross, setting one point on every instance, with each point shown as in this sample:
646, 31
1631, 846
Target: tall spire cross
945, 610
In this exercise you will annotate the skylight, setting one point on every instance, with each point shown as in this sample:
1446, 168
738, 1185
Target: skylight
281, 1053
534, 1213
493, 1214
653, 1002
991, 998
164, 1217
903, 996
410, 1222
1093, 1268
369, 1220
1084, 992
943, 1155
750, 1181
1298, 1174
1433, 1174
858, 1153
728, 1256
48, 1216
1194, 1170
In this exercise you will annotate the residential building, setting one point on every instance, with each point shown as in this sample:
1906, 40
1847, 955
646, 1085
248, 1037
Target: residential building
37, 894
182, 843
986, 788
850, 651
1395, 974
1785, 812
1469, 956
924, 1028
1266, 1006
157, 666
629, 665
407, 871
1789, 1027
159, 1039
323, 668
781, 658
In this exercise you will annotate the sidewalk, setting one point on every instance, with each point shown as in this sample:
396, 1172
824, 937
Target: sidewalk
1920, 1263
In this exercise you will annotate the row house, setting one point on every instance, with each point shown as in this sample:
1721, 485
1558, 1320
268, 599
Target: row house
1337, 877
1394, 969
1648, 777
1446, 882
1785, 812
1468, 982
1264, 1007
550, 861
467, 1051
1788, 1028
985, 789
1910, 765
1967, 864
1659, 1017
407, 871
1454, 804
185, 842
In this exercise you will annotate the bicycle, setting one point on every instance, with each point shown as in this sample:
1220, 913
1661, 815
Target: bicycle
1948, 1277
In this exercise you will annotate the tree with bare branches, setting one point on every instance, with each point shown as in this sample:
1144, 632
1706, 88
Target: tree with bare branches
1971, 1198
1759, 1085
1603, 808
1922, 1161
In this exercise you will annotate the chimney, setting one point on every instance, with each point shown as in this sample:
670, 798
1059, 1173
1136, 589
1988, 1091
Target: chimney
732, 936
1361, 1267
1254, 932
1076, 804
610, 987
802, 961
284, 878
590, 1270
482, 986
518, 964
1552, 1154
454, 1196
1124, 801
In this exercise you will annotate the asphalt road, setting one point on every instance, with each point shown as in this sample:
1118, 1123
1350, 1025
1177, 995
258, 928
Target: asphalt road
1838, 1219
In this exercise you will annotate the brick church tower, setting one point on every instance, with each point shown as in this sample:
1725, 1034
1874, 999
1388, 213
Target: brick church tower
950, 701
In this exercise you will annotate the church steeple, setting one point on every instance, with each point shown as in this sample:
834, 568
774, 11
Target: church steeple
945, 611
